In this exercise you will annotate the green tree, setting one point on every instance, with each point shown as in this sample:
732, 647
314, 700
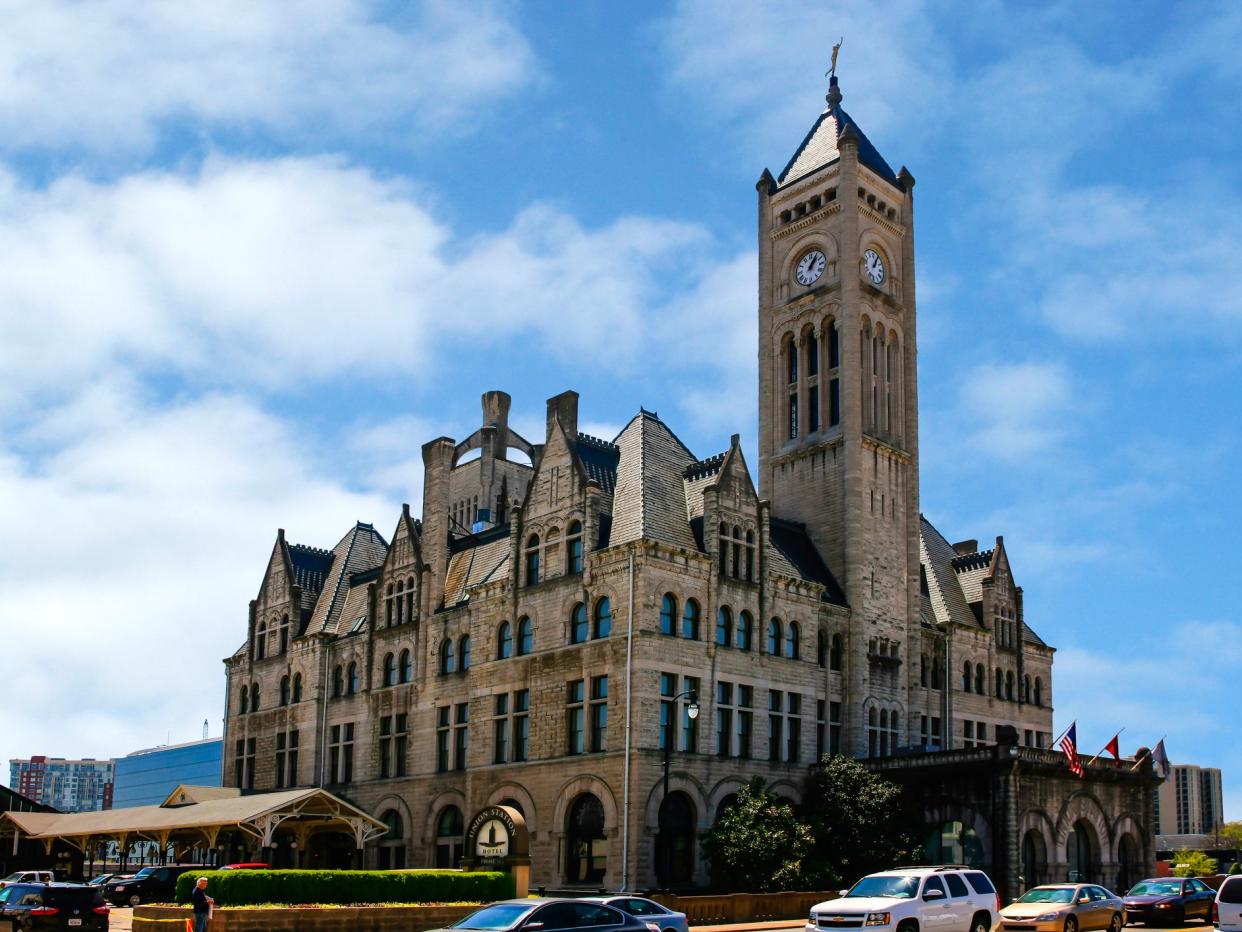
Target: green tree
1188, 863
1231, 834
758, 843
1235, 868
859, 822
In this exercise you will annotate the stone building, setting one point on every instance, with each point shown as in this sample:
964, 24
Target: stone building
537, 635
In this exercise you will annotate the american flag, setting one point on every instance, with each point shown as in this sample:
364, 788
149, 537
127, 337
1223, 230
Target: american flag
1069, 744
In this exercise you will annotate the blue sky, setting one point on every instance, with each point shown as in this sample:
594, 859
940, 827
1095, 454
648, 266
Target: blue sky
253, 260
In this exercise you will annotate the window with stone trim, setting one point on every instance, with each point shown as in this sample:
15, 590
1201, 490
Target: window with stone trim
668, 615
286, 759
284, 690
461, 735
578, 626
390, 669
526, 636
463, 653
254, 697
690, 620
504, 641
793, 641
444, 734
775, 637
784, 726
297, 687
599, 714
745, 631
393, 741
532, 560
341, 753
575, 712
836, 657
573, 548
724, 626
602, 621
448, 663
406, 666
351, 677
260, 642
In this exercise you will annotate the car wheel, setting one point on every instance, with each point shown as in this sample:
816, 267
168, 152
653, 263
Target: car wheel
1071, 924
134, 899
907, 925
1116, 924
981, 923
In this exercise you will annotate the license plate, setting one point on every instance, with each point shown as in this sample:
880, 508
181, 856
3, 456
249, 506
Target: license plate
75, 922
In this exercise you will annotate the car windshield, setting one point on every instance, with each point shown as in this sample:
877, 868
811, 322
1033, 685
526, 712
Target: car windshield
12, 878
1048, 895
901, 887
500, 916
1157, 888
145, 872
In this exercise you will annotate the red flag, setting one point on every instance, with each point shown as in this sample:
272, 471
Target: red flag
1114, 748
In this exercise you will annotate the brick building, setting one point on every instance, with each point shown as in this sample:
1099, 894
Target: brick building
534, 637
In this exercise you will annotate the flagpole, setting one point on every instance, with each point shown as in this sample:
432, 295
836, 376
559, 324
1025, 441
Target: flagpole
1105, 748
1146, 753
1064, 733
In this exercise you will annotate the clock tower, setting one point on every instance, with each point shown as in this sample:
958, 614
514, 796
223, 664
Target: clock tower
838, 398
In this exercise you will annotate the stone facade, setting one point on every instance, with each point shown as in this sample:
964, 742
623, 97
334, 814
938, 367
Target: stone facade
536, 635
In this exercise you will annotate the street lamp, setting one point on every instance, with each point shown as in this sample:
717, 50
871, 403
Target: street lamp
670, 735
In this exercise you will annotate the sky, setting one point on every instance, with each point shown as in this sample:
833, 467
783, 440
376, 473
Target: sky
256, 254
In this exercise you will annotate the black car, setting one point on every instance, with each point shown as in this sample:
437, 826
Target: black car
149, 885
1169, 901
549, 915
39, 906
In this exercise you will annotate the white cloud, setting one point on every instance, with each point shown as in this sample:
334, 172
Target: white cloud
1012, 410
139, 534
266, 273
113, 76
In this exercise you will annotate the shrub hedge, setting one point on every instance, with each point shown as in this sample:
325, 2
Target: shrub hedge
247, 887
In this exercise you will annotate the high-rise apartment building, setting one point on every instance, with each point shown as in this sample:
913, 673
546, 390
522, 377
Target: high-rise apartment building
67, 785
145, 778
1190, 801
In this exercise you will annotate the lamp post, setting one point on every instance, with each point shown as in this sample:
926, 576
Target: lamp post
670, 735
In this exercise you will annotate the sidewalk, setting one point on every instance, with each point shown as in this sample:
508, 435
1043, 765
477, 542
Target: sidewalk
772, 925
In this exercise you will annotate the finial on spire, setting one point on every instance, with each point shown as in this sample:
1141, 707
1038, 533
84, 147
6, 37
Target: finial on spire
834, 92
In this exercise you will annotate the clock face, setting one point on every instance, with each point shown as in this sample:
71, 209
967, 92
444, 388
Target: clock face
875, 266
810, 267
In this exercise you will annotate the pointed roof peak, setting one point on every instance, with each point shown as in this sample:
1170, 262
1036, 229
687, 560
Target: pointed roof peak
834, 92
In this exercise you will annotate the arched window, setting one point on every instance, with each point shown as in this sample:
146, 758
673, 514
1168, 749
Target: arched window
1039, 691
463, 653
793, 641
297, 687
821, 649
586, 847
254, 697
260, 642
504, 641
450, 827
390, 852
284, 633
1082, 849
668, 615
526, 636
603, 618
1026, 688
338, 682
353, 678
775, 637
284, 690
578, 624
245, 700
674, 844
390, 670
1000, 684
737, 552
937, 672
873, 732
406, 666
1009, 685
836, 660
1035, 859
532, 560
745, 631
447, 664
967, 671
724, 626
573, 548
884, 732
690, 620
388, 607
979, 680
750, 556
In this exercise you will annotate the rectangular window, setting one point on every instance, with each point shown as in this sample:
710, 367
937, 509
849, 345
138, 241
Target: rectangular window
250, 743
442, 738
239, 764
968, 734
574, 695
937, 739
280, 760
820, 728
461, 735
599, 713
668, 689
793, 728
291, 760
793, 416
724, 719
812, 408
834, 348
981, 732
521, 724
385, 747
689, 726
400, 742
745, 721
834, 402
834, 726
500, 729
776, 701
347, 754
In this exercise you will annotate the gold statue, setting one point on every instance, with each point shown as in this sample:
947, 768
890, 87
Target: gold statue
835, 49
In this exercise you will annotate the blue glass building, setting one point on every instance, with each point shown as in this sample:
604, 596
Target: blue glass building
145, 778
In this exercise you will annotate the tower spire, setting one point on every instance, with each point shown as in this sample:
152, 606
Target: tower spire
834, 93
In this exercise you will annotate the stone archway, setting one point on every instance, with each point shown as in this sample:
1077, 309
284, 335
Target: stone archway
958, 834
506, 794
586, 848
674, 842
1083, 842
1034, 859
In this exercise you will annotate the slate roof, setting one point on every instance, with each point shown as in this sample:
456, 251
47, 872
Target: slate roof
649, 500
819, 148
789, 546
360, 550
695, 478
473, 566
948, 602
599, 459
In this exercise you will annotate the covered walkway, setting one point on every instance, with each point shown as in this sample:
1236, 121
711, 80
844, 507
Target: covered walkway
300, 827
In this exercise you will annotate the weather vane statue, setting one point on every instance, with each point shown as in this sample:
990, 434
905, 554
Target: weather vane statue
832, 71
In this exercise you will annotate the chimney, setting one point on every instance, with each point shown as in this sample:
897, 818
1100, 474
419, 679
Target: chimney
964, 547
564, 408
437, 465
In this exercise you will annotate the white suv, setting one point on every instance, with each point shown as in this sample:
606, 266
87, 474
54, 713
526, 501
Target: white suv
1227, 912
913, 899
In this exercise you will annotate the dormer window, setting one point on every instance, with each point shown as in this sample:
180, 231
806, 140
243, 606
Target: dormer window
532, 560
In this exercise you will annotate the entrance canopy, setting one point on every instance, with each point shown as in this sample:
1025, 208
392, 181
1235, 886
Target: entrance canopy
196, 815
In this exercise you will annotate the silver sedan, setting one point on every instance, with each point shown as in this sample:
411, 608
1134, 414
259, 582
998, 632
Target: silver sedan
658, 918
